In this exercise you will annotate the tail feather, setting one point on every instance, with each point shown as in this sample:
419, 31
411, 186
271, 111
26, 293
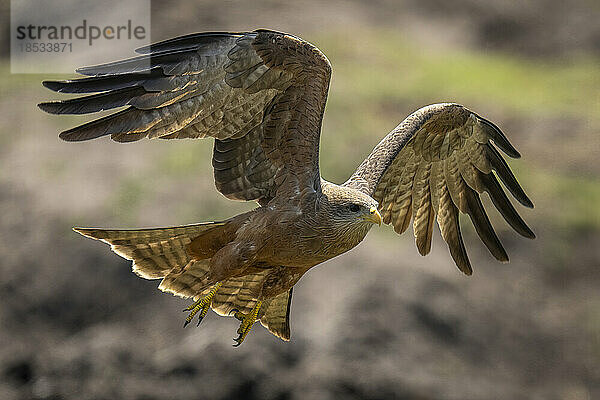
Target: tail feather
238, 293
277, 315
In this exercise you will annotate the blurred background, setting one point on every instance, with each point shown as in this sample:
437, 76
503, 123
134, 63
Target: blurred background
380, 322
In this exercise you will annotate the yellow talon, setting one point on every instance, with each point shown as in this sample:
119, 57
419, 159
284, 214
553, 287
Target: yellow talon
247, 322
202, 305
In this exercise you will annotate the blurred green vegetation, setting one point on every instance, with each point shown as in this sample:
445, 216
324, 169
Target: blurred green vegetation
565, 201
382, 67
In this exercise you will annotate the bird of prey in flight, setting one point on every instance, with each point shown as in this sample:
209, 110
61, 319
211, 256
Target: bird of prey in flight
261, 95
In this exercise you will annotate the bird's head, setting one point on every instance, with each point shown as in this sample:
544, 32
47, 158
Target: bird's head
348, 207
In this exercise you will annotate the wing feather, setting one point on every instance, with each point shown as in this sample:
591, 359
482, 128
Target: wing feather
266, 84
450, 230
423, 213
506, 176
456, 184
435, 164
400, 201
483, 226
503, 204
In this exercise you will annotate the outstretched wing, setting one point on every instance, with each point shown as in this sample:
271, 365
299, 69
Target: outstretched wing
437, 162
260, 94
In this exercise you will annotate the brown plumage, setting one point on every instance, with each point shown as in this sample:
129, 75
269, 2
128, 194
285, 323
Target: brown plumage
261, 95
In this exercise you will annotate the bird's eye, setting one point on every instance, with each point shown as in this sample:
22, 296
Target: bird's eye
354, 207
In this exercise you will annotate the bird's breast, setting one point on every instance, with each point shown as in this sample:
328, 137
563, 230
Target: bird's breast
307, 246
297, 239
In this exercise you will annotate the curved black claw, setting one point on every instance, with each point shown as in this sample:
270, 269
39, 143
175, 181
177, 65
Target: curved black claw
247, 321
186, 323
238, 340
241, 335
200, 318
233, 311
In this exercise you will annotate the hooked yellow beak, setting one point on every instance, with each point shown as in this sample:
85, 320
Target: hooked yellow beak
373, 216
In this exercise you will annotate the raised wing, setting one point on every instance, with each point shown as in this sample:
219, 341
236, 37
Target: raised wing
436, 163
260, 94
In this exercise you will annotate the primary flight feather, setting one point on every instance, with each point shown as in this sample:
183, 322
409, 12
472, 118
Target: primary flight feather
261, 95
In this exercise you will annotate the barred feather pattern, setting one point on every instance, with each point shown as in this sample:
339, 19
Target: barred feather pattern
239, 293
435, 164
164, 253
154, 252
242, 171
262, 89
